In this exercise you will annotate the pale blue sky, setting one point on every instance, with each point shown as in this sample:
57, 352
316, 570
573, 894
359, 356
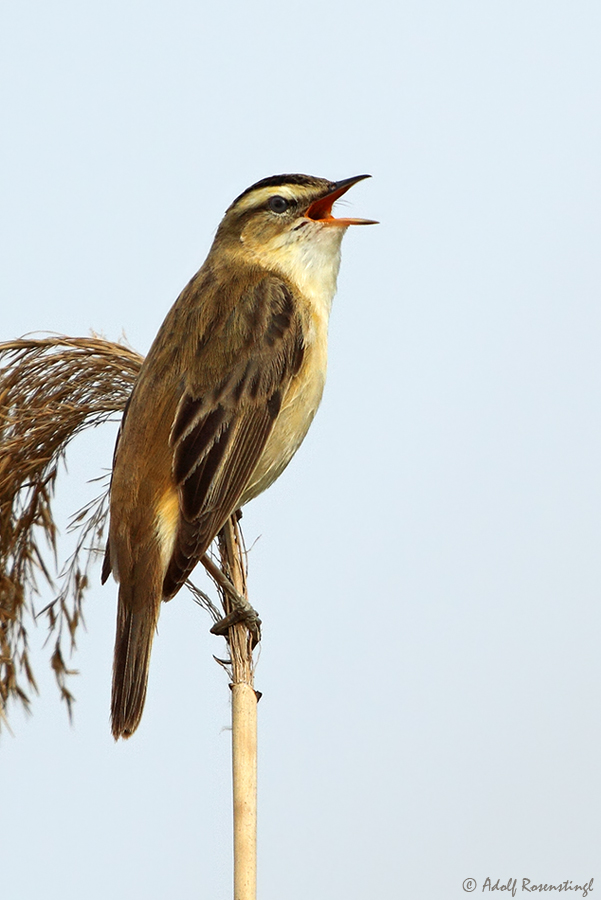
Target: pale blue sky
428, 569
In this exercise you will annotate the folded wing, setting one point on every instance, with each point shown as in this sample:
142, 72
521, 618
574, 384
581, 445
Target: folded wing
220, 429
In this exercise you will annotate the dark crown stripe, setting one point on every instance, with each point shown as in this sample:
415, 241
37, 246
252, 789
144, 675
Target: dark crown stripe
279, 180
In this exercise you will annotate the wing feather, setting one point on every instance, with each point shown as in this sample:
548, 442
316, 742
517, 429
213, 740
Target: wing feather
221, 425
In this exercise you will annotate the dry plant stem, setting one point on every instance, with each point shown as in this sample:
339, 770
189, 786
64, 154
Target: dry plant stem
244, 776
244, 724
51, 389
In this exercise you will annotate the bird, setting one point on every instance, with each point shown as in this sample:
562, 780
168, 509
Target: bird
222, 402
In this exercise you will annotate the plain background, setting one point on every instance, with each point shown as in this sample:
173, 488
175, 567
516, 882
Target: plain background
428, 568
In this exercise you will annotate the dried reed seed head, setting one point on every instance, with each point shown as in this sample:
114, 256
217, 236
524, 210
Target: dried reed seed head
51, 389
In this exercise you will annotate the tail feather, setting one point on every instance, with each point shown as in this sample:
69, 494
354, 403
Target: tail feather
133, 643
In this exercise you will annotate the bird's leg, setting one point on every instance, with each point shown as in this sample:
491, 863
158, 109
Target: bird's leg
242, 610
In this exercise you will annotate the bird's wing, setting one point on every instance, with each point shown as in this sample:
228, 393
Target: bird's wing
226, 413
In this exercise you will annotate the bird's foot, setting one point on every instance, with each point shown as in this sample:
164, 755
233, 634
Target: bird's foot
243, 612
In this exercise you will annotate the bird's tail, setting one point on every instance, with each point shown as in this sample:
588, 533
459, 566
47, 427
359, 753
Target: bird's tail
133, 643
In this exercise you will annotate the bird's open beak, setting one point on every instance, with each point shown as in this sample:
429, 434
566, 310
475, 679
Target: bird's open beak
321, 210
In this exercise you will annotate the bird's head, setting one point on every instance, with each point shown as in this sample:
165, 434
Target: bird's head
286, 220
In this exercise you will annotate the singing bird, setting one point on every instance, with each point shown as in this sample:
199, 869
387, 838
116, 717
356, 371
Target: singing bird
222, 402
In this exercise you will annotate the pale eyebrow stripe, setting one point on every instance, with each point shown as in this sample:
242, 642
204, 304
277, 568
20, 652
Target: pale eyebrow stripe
260, 196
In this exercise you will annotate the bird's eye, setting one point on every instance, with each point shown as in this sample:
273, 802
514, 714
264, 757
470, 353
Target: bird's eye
278, 204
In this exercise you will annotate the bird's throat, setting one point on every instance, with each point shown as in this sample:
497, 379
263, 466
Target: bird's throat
311, 262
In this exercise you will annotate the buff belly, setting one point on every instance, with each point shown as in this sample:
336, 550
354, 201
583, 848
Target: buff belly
298, 410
